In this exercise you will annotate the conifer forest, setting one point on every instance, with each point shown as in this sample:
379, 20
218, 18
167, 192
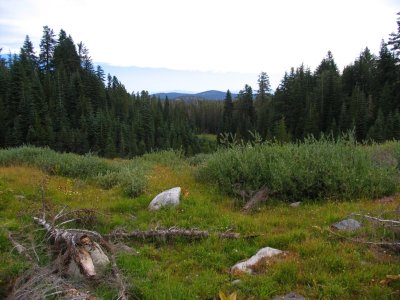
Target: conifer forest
55, 96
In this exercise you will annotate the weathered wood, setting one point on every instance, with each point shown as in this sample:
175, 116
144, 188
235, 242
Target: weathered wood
256, 199
74, 240
171, 233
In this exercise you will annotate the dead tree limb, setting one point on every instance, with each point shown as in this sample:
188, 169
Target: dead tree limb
256, 199
383, 221
22, 250
170, 233
75, 244
391, 245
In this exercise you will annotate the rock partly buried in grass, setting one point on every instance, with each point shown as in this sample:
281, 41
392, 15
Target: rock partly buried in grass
295, 204
166, 198
348, 224
290, 296
249, 266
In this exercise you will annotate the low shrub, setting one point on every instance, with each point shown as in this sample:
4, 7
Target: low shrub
313, 169
130, 175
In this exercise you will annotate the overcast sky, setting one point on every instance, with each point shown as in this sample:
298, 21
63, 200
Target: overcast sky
232, 40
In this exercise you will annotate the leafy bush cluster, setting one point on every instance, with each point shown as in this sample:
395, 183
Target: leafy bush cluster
131, 176
313, 169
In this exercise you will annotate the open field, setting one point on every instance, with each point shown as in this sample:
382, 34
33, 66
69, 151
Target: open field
319, 265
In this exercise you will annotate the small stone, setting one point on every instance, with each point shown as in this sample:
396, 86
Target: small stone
247, 266
122, 248
295, 204
166, 198
348, 224
20, 197
290, 296
235, 282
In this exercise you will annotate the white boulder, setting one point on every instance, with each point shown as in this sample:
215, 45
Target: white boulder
166, 198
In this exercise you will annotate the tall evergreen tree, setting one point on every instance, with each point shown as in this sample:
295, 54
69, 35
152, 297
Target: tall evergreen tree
47, 46
227, 117
245, 114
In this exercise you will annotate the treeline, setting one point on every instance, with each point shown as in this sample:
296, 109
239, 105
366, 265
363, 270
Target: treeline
364, 98
60, 99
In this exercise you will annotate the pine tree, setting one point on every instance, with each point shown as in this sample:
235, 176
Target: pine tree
264, 87
245, 115
394, 40
227, 117
281, 132
47, 46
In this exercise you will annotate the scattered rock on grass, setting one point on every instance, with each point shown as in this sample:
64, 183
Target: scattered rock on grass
295, 204
124, 249
166, 198
249, 265
348, 224
236, 281
290, 296
20, 197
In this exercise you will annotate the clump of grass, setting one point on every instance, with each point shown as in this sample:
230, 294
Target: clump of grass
313, 169
130, 176
63, 164
165, 157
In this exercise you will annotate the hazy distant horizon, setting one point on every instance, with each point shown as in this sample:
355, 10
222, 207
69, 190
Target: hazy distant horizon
163, 80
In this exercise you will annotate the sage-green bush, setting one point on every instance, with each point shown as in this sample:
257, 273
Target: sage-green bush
129, 175
313, 169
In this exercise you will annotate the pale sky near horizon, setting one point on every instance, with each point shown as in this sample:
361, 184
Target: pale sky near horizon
232, 40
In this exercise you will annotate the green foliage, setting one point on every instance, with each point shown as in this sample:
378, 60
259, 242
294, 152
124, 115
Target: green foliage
130, 177
317, 264
314, 169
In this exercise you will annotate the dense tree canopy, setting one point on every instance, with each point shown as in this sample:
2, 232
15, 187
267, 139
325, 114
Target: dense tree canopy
59, 99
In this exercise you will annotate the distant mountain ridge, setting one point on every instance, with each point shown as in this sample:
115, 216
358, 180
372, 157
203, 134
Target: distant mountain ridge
212, 95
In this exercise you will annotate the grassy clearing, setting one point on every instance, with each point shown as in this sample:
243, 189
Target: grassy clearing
322, 169
319, 265
130, 176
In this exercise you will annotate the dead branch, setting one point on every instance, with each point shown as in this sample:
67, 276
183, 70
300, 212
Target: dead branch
171, 233
41, 283
383, 221
19, 247
390, 245
122, 294
256, 199
76, 244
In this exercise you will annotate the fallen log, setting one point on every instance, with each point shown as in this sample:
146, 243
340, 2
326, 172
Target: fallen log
171, 233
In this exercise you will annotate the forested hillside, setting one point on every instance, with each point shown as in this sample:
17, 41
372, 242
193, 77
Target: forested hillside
364, 98
59, 98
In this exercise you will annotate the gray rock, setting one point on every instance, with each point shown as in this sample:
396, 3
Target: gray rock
124, 249
236, 281
295, 204
19, 197
290, 296
348, 224
247, 266
166, 198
